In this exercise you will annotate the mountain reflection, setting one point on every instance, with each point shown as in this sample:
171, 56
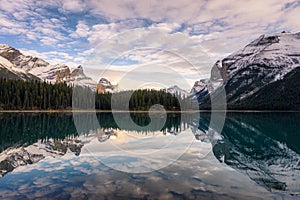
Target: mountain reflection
17, 129
264, 146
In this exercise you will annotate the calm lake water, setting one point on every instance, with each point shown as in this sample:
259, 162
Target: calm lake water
178, 156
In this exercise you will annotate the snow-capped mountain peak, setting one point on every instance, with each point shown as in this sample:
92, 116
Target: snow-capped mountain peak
105, 86
199, 86
176, 90
8, 70
266, 60
28, 66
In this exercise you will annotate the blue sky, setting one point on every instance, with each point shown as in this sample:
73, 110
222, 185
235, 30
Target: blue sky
75, 32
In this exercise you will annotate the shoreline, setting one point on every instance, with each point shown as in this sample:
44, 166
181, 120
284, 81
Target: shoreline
147, 111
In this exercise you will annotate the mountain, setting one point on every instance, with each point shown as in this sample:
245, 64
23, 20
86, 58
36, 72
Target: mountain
75, 77
15, 65
14, 157
270, 158
263, 75
176, 90
200, 89
9, 71
199, 86
105, 86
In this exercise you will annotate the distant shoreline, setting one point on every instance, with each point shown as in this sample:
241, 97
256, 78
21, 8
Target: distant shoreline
147, 111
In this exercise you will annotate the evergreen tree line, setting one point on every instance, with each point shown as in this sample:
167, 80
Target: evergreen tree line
37, 95
30, 95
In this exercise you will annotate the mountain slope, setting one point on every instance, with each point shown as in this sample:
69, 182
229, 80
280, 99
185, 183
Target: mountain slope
7, 70
283, 94
249, 75
200, 90
28, 67
176, 90
105, 86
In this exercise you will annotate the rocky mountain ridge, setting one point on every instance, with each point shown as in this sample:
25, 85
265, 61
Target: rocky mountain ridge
256, 67
176, 90
15, 65
105, 86
19, 66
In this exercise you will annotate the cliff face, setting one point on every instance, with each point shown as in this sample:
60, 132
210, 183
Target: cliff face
100, 89
105, 86
13, 64
62, 75
20, 60
266, 60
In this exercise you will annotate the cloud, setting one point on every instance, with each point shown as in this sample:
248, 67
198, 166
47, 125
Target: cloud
214, 28
10, 26
136, 39
215, 20
20, 19
7, 23
73, 6
290, 21
100, 32
54, 57
151, 46
86, 177
14, 6
167, 11
48, 41
82, 30
34, 53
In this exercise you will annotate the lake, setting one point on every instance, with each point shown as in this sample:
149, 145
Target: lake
156, 156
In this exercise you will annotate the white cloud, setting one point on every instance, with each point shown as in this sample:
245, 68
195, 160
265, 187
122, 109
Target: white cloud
73, 6
49, 41
290, 19
29, 23
34, 53
86, 52
15, 6
168, 10
82, 30
100, 32
214, 28
7, 23
54, 57
214, 21
164, 52
10, 26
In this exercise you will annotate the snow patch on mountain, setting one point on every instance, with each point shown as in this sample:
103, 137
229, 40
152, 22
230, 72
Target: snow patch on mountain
263, 61
15, 61
105, 86
176, 90
8, 70
199, 86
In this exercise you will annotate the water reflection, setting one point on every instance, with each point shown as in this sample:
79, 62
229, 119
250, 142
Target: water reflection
28, 138
263, 146
17, 129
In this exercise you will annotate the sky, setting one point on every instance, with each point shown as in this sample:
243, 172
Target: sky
136, 42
